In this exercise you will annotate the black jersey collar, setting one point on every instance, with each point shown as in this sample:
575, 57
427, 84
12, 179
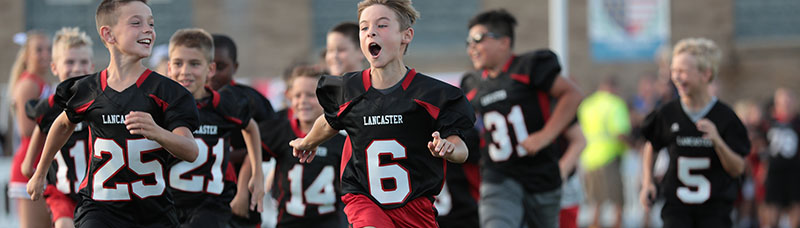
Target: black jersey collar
104, 78
295, 124
214, 98
365, 78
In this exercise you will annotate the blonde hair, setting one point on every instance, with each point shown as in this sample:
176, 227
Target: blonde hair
406, 14
194, 38
69, 38
706, 53
21, 62
107, 14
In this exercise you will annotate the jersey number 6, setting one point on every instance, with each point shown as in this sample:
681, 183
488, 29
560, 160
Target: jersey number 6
376, 172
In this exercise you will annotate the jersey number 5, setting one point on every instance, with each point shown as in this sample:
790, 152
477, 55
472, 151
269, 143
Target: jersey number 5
116, 162
698, 181
500, 148
377, 173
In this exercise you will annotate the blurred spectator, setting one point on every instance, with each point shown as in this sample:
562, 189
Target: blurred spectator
783, 181
605, 123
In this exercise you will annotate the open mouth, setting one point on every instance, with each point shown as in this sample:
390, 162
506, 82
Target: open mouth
374, 49
186, 82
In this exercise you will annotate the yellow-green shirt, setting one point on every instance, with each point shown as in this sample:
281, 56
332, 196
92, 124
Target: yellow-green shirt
603, 117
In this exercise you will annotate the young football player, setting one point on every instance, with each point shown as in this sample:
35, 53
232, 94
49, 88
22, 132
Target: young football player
72, 57
705, 139
342, 53
402, 126
203, 189
520, 177
782, 182
138, 120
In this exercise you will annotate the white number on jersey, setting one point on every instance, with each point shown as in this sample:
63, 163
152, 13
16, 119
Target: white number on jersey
393, 171
501, 146
685, 166
195, 184
782, 142
320, 192
78, 154
116, 162
444, 201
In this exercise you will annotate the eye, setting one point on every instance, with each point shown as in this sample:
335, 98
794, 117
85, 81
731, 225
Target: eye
364, 29
383, 26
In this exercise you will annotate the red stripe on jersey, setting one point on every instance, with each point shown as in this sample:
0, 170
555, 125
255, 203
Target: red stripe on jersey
161, 103
521, 78
296, 128
89, 162
508, 64
230, 173
39, 119
235, 120
409, 77
51, 100
103, 77
473, 174
214, 96
143, 77
433, 110
342, 108
472, 94
347, 151
269, 151
81, 109
544, 105
365, 79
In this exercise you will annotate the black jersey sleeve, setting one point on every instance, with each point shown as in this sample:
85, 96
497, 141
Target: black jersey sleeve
67, 95
40, 111
456, 117
275, 137
182, 110
235, 110
330, 95
260, 105
544, 69
735, 135
652, 128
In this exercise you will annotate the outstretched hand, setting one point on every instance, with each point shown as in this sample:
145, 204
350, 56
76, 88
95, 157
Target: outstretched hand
439, 147
304, 152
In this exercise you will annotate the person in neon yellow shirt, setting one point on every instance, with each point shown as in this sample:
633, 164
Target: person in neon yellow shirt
605, 123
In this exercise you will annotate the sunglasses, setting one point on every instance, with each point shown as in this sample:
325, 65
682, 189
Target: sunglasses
477, 38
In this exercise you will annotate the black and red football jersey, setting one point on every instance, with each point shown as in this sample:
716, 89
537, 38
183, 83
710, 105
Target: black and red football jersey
457, 203
259, 106
784, 161
69, 167
307, 193
209, 177
513, 105
389, 130
126, 174
695, 174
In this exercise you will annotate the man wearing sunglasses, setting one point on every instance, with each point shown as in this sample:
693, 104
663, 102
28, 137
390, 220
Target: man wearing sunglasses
524, 105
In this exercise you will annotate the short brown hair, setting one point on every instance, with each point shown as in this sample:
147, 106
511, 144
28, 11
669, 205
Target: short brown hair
68, 38
107, 12
706, 53
406, 14
194, 38
310, 71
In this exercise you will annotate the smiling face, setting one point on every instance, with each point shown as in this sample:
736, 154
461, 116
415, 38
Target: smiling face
189, 67
687, 77
341, 54
486, 51
134, 31
303, 98
38, 54
381, 38
73, 62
